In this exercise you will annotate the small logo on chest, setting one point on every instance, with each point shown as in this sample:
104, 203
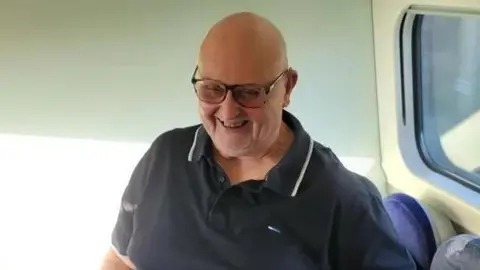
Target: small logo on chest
273, 229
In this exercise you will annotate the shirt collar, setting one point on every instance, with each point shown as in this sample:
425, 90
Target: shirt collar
285, 178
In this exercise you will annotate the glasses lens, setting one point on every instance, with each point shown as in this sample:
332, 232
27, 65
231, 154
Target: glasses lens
213, 92
210, 91
250, 97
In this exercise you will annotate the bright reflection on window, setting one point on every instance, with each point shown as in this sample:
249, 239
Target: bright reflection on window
461, 143
59, 200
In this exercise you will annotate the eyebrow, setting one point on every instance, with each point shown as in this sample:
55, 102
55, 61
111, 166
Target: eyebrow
266, 84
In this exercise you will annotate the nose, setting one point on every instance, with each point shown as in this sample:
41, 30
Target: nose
229, 108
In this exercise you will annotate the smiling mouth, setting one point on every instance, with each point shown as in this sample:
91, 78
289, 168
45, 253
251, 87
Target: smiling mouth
233, 124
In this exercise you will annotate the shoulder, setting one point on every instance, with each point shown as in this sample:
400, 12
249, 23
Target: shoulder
349, 187
177, 139
172, 145
353, 198
363, 229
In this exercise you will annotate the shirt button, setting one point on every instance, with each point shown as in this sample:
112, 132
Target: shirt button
221, 179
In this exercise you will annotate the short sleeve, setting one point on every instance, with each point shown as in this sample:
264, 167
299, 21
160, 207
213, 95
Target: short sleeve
122, 231
132, 197
368, 239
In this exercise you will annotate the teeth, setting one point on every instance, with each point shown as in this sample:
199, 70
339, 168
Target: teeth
234, 124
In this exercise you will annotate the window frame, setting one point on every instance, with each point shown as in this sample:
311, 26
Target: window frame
453, 172
401, 163
440, 185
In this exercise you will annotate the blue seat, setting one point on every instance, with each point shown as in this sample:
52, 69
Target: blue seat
420, 228
461, 252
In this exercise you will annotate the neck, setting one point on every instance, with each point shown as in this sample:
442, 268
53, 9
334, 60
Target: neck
280, 146
257, 166
275, 151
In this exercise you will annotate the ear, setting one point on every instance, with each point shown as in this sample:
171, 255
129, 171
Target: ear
292, 77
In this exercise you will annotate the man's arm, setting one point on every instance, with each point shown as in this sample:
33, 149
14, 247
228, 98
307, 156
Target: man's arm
117, 258
122, 235
368, 239
114, 261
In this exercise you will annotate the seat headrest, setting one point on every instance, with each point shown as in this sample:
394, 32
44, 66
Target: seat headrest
413, 227
459, 252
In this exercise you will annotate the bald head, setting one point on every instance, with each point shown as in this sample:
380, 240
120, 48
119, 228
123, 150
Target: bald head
239, 42
244, 49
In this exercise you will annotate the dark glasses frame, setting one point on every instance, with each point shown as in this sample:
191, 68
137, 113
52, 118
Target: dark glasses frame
236, 89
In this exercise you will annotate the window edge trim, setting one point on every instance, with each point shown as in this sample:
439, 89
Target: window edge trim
411, 81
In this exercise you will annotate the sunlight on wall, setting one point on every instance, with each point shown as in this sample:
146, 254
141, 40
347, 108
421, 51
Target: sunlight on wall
459, 143
360, 165
59, 200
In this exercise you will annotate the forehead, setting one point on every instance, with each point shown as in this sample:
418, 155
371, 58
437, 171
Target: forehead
236, 72
237, 63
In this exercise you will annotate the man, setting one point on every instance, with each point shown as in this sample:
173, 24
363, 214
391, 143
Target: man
249, 188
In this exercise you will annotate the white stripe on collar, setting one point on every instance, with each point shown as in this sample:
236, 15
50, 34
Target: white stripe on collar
304, 169
194, 144
300, 177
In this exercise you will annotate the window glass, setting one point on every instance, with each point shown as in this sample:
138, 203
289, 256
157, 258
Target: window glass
447, 63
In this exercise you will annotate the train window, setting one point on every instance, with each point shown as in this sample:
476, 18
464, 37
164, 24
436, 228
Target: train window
446, 59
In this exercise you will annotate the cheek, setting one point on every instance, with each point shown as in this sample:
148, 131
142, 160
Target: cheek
207, 112
267, 119
259, 120
258, 117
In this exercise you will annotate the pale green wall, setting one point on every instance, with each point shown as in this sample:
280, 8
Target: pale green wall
120, 70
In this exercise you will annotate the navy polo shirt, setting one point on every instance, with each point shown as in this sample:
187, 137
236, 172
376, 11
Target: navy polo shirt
179, 212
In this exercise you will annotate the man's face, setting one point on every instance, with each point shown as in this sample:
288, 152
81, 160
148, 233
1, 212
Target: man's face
247, 119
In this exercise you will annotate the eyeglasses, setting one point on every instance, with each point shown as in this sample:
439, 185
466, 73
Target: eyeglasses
247, 95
